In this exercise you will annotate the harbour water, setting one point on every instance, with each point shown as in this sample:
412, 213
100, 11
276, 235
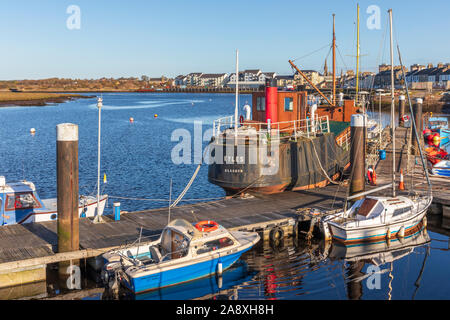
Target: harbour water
136, 158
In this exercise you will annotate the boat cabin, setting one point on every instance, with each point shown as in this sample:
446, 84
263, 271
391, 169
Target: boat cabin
284, 106
18, 201
370, 208
179, 238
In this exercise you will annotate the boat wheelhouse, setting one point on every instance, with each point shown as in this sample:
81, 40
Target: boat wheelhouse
182, 253
20, 203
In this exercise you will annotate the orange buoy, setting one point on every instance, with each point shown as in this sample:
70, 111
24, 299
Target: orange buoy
207, 226
131, 120
401, 185
374, 178
369, 175
155, 116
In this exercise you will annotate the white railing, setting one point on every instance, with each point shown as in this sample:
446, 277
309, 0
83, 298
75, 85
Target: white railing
222, 124
344, 140
294, 128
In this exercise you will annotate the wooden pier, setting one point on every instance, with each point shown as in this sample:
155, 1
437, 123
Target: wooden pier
26, 250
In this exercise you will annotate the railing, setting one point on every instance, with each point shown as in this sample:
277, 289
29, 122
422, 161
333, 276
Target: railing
293, 128
343, 139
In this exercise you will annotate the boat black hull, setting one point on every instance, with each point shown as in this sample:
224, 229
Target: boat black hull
298, 166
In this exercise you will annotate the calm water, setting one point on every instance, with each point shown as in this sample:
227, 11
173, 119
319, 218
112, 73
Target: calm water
136, 158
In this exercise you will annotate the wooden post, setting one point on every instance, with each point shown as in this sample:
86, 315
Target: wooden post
357, 154
67, 191
417, 110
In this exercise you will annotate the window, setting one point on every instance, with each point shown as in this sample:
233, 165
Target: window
261, 103
288, 104
401, 210
215, 245
21, 201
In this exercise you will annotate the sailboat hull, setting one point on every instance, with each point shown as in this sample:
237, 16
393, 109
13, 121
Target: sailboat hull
377, 232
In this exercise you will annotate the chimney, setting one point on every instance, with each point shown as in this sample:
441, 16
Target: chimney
430, 65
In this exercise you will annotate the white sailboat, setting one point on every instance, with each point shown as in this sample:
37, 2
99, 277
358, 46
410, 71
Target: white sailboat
373, 217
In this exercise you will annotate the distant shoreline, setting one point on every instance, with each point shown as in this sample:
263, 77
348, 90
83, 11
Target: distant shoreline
35, 99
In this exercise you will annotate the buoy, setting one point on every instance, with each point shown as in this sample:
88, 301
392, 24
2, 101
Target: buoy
436, 140
155, 116
369, 175
401, 232
388, 234
219, 267
131, 120
32, 130
401, 185
374, 178
219, 282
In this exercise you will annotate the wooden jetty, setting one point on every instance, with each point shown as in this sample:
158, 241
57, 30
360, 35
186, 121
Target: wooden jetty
26, 250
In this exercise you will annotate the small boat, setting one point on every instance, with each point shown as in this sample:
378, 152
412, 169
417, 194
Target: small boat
442, 168
376, 218
182, 253
374, 129
20, 203
439, 125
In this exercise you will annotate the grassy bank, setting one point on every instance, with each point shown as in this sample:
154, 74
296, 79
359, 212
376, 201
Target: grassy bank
8, 98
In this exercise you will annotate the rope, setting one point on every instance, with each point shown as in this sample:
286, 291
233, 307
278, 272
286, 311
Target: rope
162, 200
320, 165
187, 186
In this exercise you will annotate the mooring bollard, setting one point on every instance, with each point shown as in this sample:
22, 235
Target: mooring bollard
401, 105
67, 194
357, 153
116, 211
418, 119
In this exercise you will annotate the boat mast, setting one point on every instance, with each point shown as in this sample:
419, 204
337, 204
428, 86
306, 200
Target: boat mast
334, 63
310, 82
357, 52
237, 96
98, 218
392, 104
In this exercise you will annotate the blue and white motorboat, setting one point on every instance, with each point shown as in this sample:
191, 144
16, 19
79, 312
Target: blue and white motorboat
442, 168
20, 203
182, 253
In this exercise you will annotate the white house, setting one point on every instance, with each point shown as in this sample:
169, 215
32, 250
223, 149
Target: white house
215, 80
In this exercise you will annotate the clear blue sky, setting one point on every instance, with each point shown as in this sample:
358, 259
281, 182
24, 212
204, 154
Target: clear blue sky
132, 38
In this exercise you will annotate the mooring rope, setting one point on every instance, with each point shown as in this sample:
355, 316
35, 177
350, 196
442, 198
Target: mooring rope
320, 164
161, 200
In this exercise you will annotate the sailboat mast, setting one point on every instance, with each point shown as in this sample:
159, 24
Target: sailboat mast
357, 51
99, 106
334, 63
392, 104
237, 96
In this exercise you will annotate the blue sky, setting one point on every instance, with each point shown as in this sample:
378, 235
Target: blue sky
132, 38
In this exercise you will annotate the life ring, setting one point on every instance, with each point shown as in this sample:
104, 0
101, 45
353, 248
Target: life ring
207, 226
241, 119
